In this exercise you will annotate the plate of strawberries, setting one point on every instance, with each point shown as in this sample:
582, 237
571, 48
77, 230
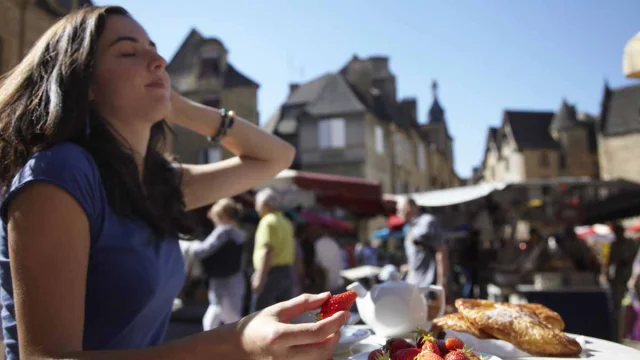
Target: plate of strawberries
425, 347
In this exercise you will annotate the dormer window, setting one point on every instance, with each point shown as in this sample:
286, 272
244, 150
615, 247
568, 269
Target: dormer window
210, 67
210, 64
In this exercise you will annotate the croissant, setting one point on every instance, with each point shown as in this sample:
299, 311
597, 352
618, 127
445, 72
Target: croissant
543, 313
519, 327
457, 322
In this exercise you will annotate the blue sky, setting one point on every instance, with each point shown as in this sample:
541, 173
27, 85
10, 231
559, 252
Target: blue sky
487, 55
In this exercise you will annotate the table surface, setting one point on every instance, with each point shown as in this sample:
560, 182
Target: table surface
595, 349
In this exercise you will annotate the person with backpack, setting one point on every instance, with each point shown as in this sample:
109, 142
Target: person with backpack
221, 255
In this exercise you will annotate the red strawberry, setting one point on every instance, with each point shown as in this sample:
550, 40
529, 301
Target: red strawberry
431, 346
378, 354
422, 336
406, 354
454, 343
395, 345
456, 355
425, 355
442, 345
340, 302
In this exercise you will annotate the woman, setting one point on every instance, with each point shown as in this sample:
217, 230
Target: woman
221, 256
89, 256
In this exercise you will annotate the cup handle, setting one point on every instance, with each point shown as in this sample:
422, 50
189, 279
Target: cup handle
439, 290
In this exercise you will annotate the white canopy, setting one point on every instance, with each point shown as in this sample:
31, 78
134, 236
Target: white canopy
457, 195
631, 58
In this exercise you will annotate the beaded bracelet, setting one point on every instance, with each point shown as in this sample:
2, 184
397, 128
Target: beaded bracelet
226, 122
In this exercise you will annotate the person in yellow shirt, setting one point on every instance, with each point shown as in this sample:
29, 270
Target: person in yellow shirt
273, 254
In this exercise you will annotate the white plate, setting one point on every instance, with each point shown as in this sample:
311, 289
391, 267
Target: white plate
350, 335
365, 355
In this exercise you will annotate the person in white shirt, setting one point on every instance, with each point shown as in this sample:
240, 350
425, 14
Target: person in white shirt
329, 257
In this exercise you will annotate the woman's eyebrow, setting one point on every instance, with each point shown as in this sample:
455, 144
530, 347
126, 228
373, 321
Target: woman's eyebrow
130, 39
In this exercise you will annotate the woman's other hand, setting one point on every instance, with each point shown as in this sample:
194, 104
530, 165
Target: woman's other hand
268, 334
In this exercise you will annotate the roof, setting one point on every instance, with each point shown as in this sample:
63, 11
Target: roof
271, 123
531, 129
565, 118
326, 95
620, 111
436, 112
308, 91
492, 137
190, 45
234, 78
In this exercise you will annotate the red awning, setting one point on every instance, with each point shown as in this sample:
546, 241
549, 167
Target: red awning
335, 184
358, 196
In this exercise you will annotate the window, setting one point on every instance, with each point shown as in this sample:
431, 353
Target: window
210, 66
210, 155
379, 134
420, 157
544, 160
332, 133
398, 148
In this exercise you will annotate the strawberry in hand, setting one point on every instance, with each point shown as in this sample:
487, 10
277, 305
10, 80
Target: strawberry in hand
340, 302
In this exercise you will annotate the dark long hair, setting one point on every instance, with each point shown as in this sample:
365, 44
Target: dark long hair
45, 100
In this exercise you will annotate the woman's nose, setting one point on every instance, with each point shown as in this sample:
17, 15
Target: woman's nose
157, 62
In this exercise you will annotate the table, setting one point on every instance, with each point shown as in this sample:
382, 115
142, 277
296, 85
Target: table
595, 349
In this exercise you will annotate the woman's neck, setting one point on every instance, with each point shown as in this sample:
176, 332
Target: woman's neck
136, 136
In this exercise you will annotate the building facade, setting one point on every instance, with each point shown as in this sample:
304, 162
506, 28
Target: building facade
200, 70
619, 134
539, 145
351, 123
22, 22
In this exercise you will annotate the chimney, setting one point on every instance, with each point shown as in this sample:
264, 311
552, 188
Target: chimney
380, 65
293, 87
410, 107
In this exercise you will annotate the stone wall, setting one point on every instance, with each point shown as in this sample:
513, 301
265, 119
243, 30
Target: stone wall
36, 22
618, 157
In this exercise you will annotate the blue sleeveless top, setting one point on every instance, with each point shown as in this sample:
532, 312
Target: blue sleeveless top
132, 277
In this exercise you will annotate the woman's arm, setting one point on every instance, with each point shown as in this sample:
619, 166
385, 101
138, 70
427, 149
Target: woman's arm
216, 239
49, 272
259, 155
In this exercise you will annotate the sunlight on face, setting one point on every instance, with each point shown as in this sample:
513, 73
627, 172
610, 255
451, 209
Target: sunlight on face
130, 83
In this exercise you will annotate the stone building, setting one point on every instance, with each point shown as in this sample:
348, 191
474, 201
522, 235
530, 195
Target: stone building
22, 22
201, 71
619, 134
537, 145
351, 123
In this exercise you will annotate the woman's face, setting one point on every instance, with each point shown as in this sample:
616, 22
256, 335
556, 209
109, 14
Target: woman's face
130, 83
